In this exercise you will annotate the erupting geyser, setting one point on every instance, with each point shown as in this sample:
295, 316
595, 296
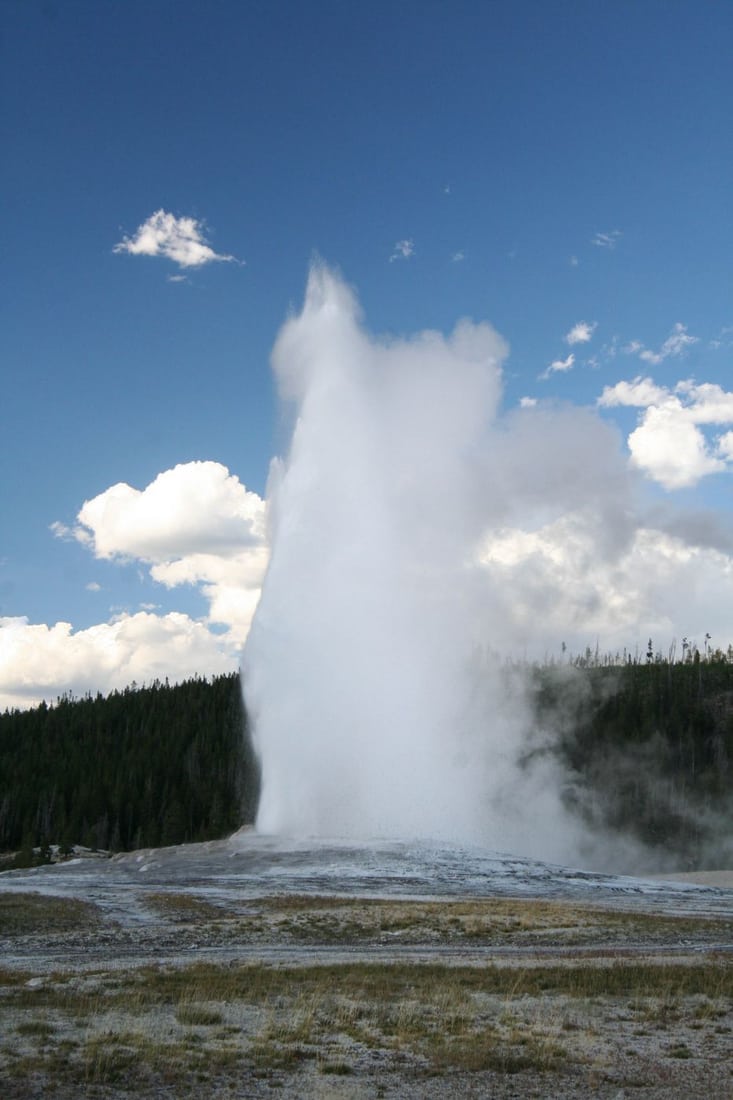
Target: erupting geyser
368, 718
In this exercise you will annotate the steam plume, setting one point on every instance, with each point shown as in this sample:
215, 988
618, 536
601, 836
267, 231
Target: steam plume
360, 666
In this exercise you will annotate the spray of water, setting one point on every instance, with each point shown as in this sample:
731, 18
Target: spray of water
360, 670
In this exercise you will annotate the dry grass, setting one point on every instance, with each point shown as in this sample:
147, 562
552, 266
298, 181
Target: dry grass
195, 1027
24, 914
184, 908
490, 921
180, 1025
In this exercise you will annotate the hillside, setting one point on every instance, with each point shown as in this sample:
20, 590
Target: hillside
151, 765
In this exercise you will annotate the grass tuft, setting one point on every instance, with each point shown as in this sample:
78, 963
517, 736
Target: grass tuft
196, 1015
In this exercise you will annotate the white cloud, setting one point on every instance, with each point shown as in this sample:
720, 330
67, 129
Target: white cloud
675, 345
671, 449
194, 524
41, 662
669, 444
639, 392
403, 250
581, 333
558, 366
708, 402
93, 587
606, 240
725, 446
657, 586
527, 402
458, 257
196, 507
179, 239
574, 261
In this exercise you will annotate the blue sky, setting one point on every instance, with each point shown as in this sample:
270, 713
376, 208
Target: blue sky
562, 170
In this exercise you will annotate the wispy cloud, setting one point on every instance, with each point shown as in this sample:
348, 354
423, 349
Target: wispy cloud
581, 333
723, 339
675, 344
179, 239
458, 256
403, 250
606, 240
558, 366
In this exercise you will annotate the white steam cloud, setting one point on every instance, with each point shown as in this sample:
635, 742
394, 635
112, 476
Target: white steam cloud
374, 713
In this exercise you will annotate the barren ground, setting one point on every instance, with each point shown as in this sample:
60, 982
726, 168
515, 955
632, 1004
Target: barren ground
321, 995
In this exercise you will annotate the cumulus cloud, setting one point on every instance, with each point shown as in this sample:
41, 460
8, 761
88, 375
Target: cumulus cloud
558, 366
658, 586
403, 250
669, 443
581, 333
195, 524
196, 507
639, 392
670, 448
179, 239
725, 446
42, 662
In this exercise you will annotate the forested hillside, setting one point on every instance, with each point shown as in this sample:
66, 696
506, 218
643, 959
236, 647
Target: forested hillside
646, 749
643, 748
152, 765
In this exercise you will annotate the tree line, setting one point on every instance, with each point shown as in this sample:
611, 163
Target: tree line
152, 765
644, 743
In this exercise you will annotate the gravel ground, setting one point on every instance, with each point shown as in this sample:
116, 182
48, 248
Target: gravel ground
163, 974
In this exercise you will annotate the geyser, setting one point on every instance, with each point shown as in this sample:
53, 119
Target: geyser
360, 668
